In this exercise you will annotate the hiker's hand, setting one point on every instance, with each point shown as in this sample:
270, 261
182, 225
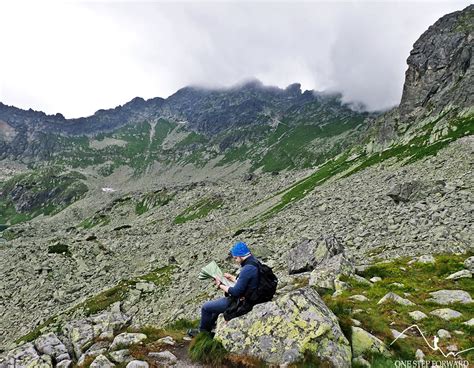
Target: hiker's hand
217, 281
230, 277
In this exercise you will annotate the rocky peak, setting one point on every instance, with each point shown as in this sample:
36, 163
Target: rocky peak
440, 68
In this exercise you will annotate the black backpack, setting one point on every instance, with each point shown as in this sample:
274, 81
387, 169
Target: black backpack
267, 284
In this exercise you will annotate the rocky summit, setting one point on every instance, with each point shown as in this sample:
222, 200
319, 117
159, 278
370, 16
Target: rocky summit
365, 218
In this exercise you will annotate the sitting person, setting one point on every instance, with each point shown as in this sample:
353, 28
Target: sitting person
246, 282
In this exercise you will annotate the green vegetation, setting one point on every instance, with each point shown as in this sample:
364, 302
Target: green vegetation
45, 191
152, 200
142, 148
198, 210
106, 298
416, 149
36, 332
290, 145
193, 139
420, 146
206, 350
59, 248
161, 277
303, 187
418, 280
100, 218
311, 360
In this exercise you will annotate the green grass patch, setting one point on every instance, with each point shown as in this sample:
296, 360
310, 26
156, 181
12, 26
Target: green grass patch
59, 248
206, 350
152, 200
417, 280
160, 276
101, 219
198, 210
45, 191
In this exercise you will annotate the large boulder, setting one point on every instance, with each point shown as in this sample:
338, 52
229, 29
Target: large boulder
445, 297
309, 253
81, 333
364, 342
280, 331
26, 356
329, 272
406, 192
49, 344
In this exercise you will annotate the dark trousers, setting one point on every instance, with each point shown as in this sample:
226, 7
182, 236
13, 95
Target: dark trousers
210, 311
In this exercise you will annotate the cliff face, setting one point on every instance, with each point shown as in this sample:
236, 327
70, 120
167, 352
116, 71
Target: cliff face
440, 68
438, 82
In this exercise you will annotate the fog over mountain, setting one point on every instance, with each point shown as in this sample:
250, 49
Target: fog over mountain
78, 57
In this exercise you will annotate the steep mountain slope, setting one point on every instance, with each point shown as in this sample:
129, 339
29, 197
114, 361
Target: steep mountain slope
204, 133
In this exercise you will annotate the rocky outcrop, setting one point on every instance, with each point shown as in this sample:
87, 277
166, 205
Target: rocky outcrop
310, 252
328, 272
445, 297
438, 84
440, 66
364, 342
280, 331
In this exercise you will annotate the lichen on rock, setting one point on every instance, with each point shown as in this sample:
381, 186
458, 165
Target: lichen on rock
281, 331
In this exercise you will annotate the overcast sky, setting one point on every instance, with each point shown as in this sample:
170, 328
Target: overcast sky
77, 57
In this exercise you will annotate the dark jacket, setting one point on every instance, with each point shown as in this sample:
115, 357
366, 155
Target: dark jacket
247, 279
247, 282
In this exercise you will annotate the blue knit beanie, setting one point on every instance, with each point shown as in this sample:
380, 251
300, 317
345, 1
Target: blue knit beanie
240, 249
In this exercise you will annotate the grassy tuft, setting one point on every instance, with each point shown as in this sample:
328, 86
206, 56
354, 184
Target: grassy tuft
206, 350
198, 210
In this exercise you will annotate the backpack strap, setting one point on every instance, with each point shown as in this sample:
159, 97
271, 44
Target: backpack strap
256, 263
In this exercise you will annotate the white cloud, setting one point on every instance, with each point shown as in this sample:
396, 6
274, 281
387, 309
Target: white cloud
77, 57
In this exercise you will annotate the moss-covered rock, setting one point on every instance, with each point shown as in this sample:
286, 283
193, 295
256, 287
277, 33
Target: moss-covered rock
331, 270
282, 330
364, 342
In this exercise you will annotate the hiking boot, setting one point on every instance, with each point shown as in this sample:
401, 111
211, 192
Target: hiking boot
193, 332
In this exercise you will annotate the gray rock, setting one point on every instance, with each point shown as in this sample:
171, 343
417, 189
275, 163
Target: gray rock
82, 332
64, 364
459, 275
408, 191
50, 344
417, 315
469, 323
419, 355
426, 258
163, 357
145, 287
442, 51
167, 340
120, 356
363, 341
446, 313
126, 339
397, 334
443, 333
278, 331
361, 280
309, 253
26, 356
101, 362
445, 297
359, 298
469, 263
138, 364
392, 297
375, 279
330, 270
